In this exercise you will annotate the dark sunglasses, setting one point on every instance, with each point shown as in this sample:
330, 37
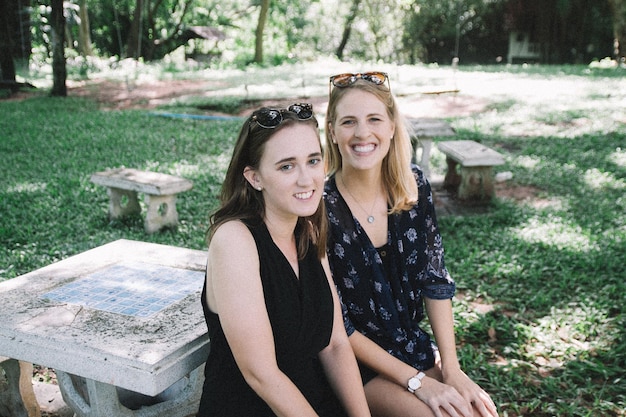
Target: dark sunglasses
270, 118
347, 79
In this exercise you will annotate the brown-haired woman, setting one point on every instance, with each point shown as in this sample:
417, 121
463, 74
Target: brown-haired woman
278, 346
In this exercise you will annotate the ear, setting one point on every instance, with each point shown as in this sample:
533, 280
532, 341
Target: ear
253, 179
331, 132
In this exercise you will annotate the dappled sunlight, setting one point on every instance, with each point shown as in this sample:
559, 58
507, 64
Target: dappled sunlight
27, 187
567, 333
214, 164
528, 162
553, 231
618, 157
598, 180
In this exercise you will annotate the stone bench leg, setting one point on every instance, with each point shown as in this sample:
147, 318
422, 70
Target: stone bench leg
116, 199
89, 398
161, 212
452, 179
18, 399
476, 183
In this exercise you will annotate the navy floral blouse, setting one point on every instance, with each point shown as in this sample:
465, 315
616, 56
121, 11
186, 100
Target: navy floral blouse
382, 289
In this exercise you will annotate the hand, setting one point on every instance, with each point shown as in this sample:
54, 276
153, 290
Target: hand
471, 392
439, 396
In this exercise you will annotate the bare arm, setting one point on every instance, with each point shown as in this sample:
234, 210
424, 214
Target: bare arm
340, 364
234, 290
435, 394
442, 322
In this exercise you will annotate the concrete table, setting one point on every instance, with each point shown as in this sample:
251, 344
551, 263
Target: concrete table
121, 324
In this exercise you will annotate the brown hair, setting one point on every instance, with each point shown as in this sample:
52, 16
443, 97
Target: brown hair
240, 201
397, 175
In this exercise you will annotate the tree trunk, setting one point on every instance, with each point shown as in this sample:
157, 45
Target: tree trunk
84, 32
133, 48
258, 47
347, 29
7, 66
59, 71
618, 11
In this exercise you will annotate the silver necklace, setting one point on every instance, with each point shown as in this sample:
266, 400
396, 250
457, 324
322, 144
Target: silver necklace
370, 217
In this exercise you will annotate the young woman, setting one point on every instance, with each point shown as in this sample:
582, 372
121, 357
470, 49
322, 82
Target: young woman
278, 346
386, 257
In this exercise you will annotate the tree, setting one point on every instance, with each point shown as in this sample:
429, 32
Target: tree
347, 28
7, 66
260, 27
84, 31
15, 41
57, 32
618, 12
133, 45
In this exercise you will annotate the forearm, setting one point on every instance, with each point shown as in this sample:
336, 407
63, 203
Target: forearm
442, 323
343, 374
279, 392
379, 360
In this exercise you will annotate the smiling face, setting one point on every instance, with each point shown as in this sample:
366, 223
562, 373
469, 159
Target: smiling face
290, 173
362, 130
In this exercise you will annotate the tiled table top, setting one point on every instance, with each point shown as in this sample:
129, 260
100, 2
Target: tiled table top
130, 288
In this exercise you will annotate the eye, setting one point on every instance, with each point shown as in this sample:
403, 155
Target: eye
347, 122
315, 161
285, 167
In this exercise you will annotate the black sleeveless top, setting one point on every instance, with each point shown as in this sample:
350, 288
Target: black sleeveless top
301, 315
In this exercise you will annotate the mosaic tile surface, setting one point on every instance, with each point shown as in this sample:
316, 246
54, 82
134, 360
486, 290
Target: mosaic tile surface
133, 289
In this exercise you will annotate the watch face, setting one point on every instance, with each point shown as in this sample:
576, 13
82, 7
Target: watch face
414, 383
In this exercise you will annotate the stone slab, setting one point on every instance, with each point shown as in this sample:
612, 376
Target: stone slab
141, 354
470, 153
429, 127
154, 183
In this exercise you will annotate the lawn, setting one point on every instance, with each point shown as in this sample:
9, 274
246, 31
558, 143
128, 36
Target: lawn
541, 303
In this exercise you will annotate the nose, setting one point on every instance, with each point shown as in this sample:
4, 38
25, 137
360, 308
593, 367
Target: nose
361, 130
305, 176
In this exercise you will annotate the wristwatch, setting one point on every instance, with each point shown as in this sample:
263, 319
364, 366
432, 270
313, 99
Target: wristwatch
415, 382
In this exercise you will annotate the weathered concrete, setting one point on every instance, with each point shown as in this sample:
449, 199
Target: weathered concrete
160, 190
475, 181
17, 398
145, 355
423, 130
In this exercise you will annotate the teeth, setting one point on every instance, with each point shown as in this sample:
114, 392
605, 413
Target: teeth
364, 148
304, 196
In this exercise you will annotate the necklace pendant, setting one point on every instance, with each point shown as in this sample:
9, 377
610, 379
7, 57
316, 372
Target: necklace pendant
370, 219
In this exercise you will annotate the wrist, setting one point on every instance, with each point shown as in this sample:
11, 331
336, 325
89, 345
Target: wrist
414, 383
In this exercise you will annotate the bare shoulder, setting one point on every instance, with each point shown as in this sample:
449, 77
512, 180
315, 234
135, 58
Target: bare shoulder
231, 233
232, 241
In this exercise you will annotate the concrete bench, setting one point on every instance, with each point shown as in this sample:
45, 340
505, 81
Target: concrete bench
422, 131
160, 195
475, 181
17, 398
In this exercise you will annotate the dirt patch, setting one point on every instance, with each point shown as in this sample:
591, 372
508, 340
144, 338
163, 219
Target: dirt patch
121, 95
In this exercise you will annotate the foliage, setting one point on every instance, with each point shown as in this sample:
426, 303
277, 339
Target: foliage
399, 31
540, 307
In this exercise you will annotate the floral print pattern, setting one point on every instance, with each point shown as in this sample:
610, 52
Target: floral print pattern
383, 299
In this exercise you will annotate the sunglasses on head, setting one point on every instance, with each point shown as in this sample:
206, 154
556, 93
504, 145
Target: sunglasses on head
347, 79
270, 118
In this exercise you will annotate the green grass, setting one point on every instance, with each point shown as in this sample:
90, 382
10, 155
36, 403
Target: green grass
541, 305
51, 146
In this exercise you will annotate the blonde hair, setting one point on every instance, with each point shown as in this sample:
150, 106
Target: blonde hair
397, 175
